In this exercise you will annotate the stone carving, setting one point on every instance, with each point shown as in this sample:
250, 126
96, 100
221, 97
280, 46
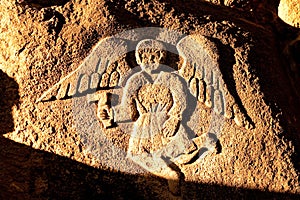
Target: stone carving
85, 80
158, 98
108, 74
104, 111
205, 79
155, 99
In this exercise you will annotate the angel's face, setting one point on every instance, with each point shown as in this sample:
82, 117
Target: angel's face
150, 59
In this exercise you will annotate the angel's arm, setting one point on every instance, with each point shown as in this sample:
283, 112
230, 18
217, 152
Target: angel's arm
127, 109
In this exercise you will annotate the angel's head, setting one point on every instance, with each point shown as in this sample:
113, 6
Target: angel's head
149, 54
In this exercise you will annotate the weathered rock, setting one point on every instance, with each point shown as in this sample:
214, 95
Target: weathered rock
289, 12
43, 45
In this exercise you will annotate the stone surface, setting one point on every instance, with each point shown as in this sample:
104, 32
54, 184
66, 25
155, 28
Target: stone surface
43, 45
289, 12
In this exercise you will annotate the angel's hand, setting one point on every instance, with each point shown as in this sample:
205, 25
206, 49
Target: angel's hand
170, 126
105, 115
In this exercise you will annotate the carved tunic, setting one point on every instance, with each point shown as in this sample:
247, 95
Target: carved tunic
155, 101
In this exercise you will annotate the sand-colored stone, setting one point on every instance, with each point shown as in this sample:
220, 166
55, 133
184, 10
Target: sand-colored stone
289, 12
43, 155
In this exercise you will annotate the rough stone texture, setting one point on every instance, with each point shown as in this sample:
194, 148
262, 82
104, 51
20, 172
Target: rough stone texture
41, 153
289, 12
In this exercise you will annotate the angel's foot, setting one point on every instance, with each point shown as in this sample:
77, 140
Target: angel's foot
187, 157
193, 151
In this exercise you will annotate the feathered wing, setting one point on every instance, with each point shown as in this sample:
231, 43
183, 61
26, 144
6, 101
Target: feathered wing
100, 70
201, 69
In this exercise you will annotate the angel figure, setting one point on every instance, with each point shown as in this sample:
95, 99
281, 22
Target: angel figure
155, 99
158, 103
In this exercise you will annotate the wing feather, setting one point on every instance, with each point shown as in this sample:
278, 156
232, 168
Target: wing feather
206, 83
94, 73
201, 70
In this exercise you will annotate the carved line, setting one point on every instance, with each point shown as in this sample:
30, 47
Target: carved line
207, 90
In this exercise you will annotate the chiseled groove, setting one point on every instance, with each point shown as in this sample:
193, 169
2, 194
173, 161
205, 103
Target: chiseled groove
114, 79
202, 91
208, 92
98, 66
72, 89
197, 88
94, 81
83, 85
104, 80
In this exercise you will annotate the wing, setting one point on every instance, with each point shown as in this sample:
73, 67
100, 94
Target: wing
106, 64
201, 69
100, 70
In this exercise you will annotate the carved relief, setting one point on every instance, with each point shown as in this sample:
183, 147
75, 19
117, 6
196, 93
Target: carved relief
104, 111
205, 79
155, 99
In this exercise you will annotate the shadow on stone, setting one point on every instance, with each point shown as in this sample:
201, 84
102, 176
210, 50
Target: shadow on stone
32, 174
26, 173
43, 3
9, 97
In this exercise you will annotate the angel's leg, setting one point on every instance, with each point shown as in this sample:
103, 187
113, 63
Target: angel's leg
159, 167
